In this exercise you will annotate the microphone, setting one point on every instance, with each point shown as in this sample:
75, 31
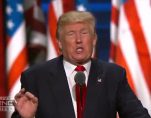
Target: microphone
80, 81
80, 78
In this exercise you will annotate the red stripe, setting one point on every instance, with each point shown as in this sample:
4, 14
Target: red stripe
52, 27
115, 15
2, 54
38, 2
121, 61
17, 67
33, 23
68, 5
139, 39
2, 57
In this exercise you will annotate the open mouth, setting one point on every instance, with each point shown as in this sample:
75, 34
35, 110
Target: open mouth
79, 49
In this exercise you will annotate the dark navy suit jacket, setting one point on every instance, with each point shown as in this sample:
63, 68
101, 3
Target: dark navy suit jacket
107, 92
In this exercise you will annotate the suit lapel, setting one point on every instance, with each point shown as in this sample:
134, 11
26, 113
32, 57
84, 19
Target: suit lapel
93, 87
62, 92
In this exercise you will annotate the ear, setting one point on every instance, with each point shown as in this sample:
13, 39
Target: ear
59, 44
94, 40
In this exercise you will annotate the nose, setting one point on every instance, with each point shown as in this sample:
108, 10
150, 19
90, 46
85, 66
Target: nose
78, 38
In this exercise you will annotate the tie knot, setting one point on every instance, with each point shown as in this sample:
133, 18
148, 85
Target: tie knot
80, 68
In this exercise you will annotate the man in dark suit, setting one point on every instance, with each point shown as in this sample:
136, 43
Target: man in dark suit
49, 90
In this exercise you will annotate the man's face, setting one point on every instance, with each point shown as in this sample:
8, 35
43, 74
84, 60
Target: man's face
77, 41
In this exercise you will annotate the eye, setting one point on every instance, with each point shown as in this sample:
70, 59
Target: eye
84, 32
71, 33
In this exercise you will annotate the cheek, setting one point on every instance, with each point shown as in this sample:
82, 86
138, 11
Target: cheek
89, 45
68, 46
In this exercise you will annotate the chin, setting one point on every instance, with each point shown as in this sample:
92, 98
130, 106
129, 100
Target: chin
80, 58
81, 61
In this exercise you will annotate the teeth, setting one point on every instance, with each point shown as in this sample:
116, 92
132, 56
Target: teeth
79, 49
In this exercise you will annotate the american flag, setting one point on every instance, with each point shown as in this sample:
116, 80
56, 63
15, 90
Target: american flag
35, 31
16, 52
26, 32
131, 44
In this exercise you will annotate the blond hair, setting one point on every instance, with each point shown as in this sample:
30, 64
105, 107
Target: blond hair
74, 17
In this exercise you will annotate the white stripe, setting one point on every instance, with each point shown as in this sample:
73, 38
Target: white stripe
114, 32
129, 52
51, 52
144, 12
38, 14
16, 45
17, 86
116, 3
14, 90
58, 7
38, 38
114, 27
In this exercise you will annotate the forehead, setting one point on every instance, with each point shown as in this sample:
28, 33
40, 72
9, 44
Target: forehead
76, 26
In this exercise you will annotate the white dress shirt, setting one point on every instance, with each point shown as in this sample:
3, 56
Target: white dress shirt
70, 73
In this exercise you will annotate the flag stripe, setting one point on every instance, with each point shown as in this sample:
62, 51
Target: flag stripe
36, 31
121, 61
18, 66
3, 85
139, 39
55, 10
114, 28
2, 54
145, 20
114, 15
112, 51
12, 50
36, 24
68, 5
52, 28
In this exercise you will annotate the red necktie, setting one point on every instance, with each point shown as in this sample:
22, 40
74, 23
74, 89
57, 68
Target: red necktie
80, 95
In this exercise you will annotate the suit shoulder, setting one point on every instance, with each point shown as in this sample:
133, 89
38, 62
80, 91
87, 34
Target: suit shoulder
110, 68
43, 66
109, 65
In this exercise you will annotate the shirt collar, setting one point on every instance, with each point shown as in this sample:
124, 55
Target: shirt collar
69, 68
